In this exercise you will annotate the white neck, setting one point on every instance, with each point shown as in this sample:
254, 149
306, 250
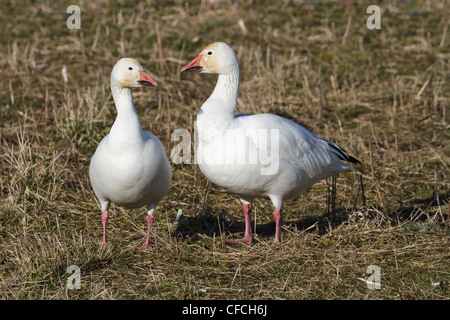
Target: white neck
223, 100
127, 125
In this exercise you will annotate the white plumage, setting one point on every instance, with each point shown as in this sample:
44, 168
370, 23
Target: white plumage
130, 167
261, 155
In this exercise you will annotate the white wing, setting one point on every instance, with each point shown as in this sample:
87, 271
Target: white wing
314, 155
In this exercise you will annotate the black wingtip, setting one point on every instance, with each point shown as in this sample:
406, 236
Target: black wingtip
341, 153
353, 160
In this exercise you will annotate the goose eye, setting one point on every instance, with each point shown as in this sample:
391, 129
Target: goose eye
130, 68
209, 53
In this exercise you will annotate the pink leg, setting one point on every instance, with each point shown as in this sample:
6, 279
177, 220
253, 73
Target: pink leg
209, 5
105, 217
278, 222
248, 236
149, 227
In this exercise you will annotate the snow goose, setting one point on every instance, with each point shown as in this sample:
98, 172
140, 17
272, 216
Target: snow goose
260, 155
130, 167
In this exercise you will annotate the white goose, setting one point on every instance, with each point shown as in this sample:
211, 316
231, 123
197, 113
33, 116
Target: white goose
261, 155
130, 166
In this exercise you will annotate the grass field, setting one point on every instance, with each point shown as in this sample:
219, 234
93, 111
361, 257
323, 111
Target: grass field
383, 95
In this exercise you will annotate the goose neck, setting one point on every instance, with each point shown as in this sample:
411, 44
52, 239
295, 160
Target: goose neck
127, 122
224, 98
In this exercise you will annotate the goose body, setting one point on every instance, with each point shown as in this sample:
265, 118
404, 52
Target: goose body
260, 155
130, 167
130, 175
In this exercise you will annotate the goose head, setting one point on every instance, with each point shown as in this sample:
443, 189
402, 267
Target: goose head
216, 58
128, 73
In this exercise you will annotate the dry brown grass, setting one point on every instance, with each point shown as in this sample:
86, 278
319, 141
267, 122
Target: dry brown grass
381, 94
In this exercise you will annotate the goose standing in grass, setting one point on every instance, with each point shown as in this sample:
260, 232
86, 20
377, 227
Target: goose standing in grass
260, 155
130, 167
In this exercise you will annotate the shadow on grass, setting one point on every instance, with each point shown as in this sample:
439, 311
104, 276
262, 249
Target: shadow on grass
209, 223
